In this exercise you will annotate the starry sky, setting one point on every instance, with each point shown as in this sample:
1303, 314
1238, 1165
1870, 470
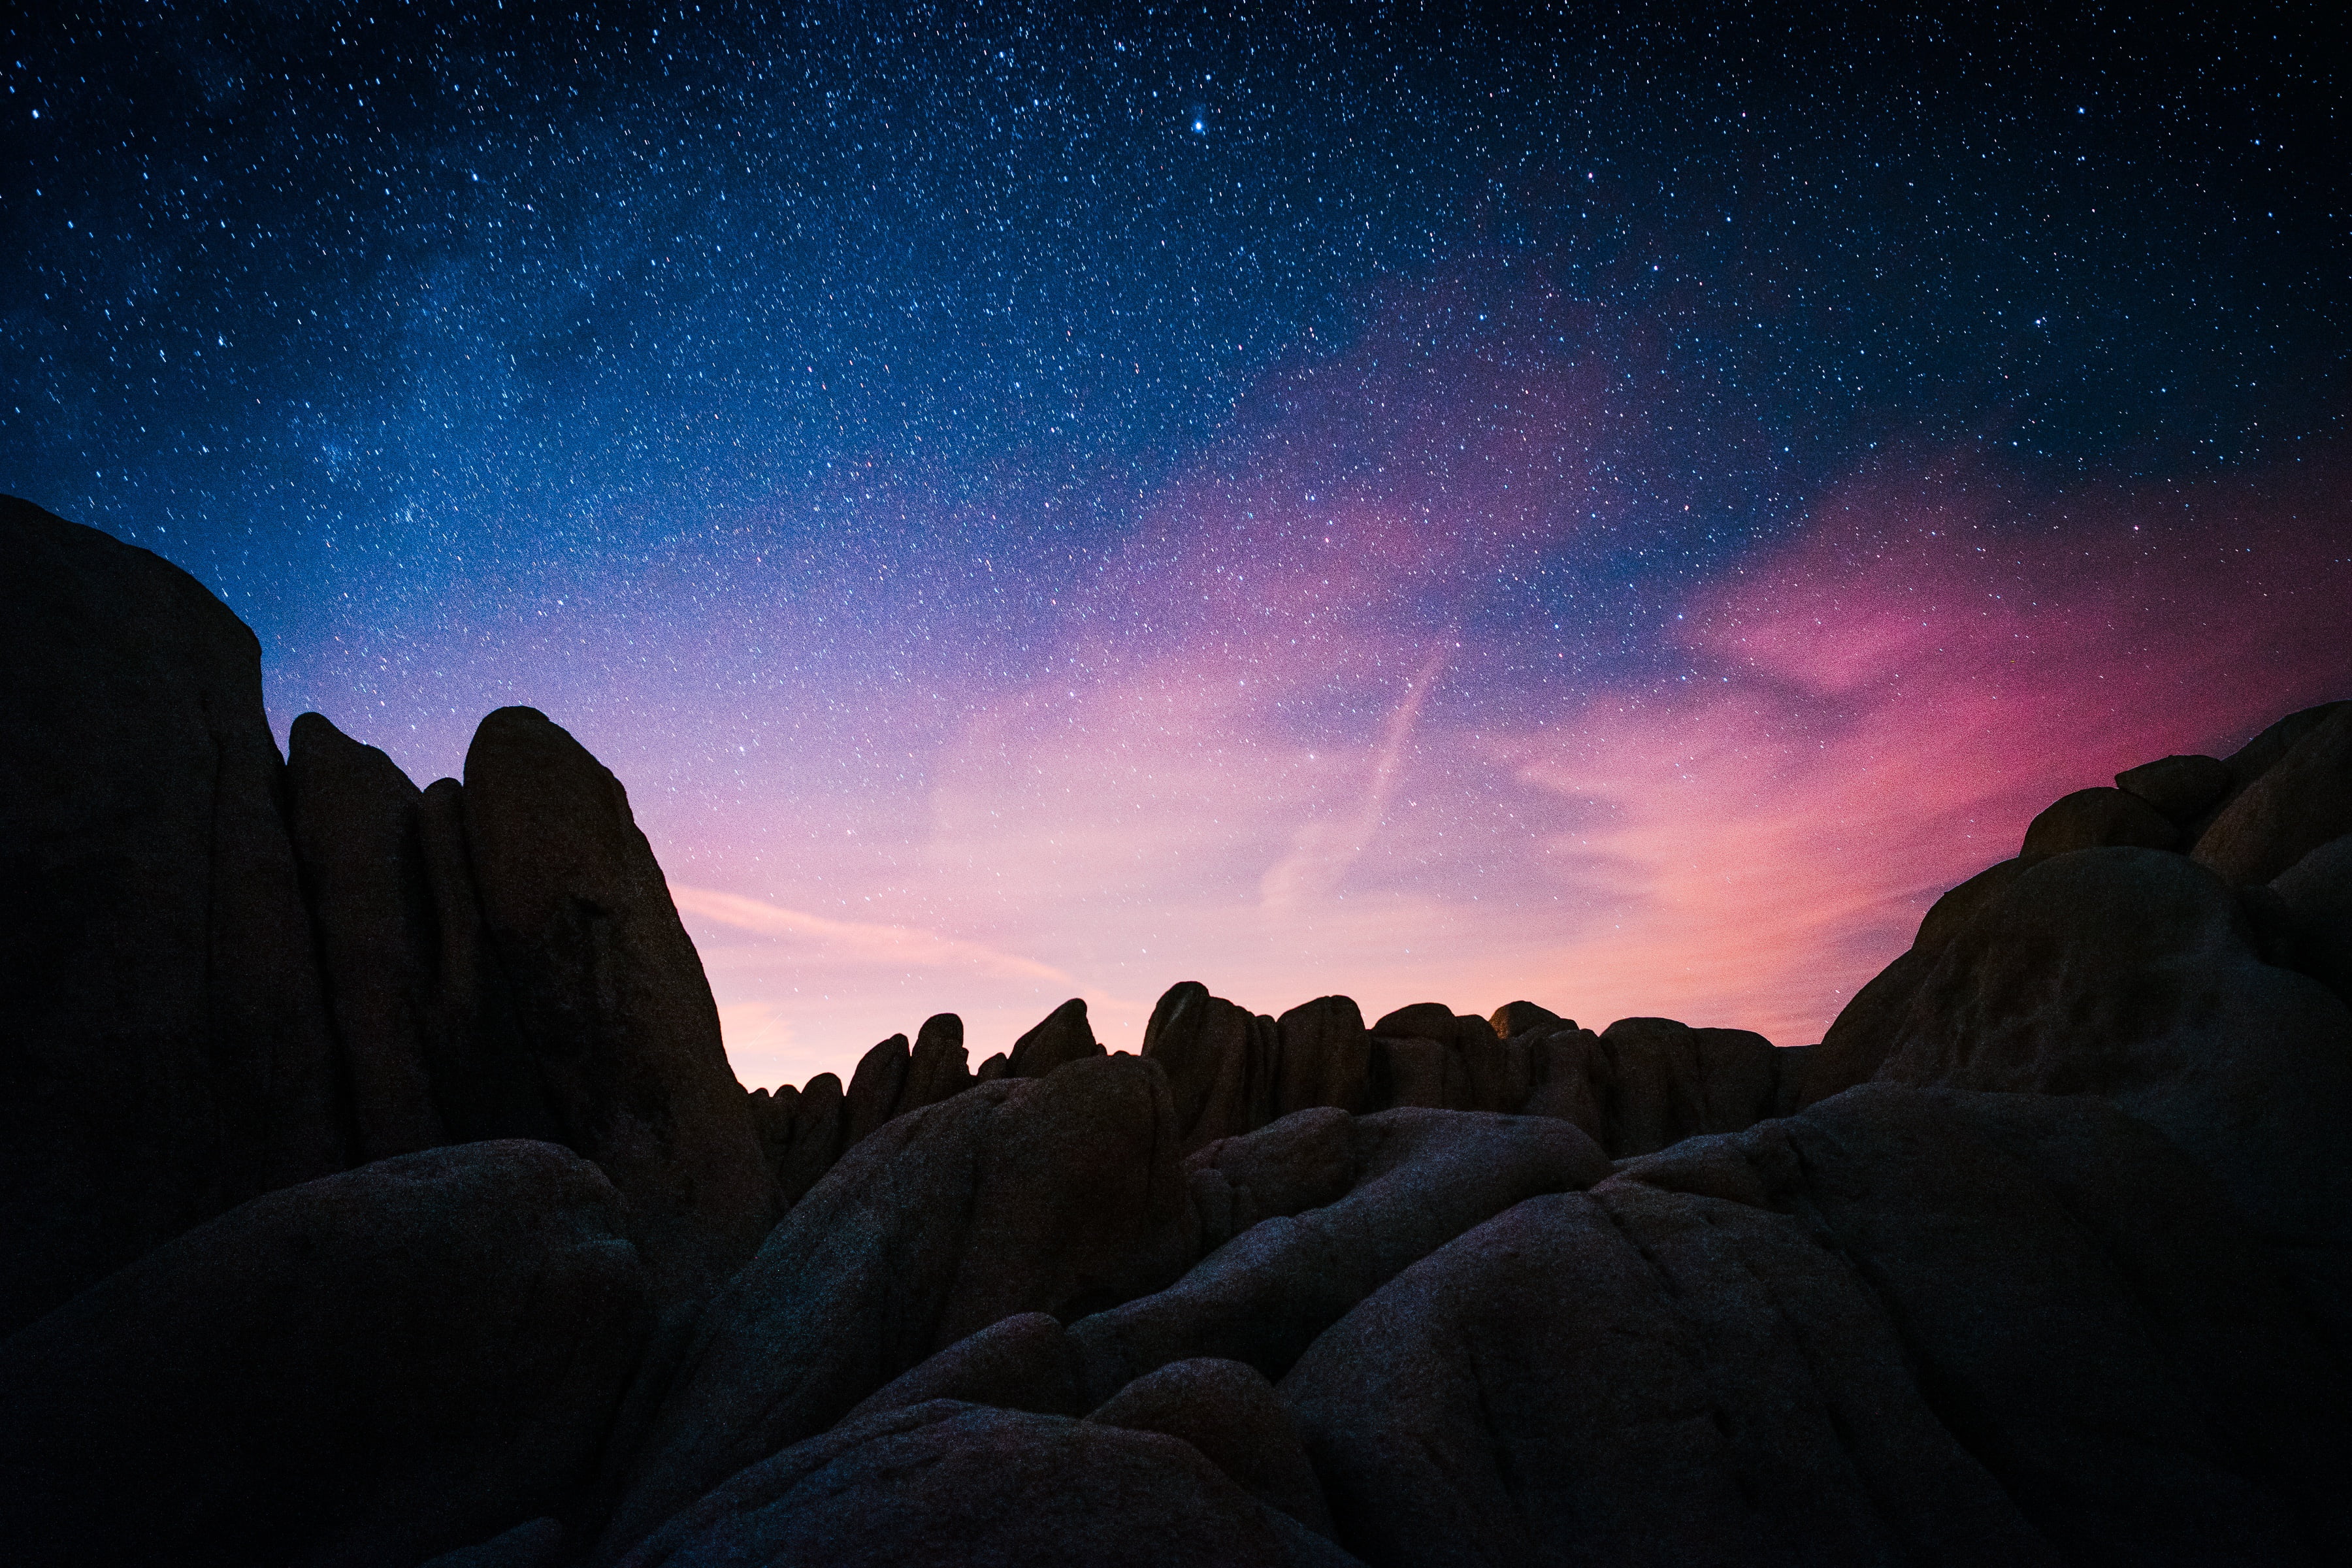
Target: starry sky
1420, 501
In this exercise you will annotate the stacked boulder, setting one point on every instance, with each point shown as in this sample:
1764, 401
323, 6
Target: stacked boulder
379, 1194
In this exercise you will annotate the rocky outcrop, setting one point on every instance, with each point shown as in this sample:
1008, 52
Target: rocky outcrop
1055, 1195
367, 1369
610, 997
2056, 1345
2054, 1264
943, 1483
2290, 808
1415, 1178
166, 1053
2135, 975
358, 838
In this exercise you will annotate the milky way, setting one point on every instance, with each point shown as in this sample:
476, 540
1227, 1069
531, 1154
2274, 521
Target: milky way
1042, 502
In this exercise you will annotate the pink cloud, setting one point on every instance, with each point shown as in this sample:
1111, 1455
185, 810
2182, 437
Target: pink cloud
1881, 705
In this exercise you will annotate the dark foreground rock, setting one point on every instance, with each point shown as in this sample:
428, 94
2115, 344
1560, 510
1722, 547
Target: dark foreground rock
1909, 1325
2053, 1266
166, 1052
941, 1485
612, 997
366, 1369
1053, 1194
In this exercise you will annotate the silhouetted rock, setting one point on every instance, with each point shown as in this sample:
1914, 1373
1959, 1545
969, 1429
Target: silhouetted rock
612, 997
992, 1069
1903, 1326
352, 814
2131, 973
486, 1080
166, 1052
1515, 1018
1053, 1194
2299, 803
1223, 1063
938, 1068
944, 1484
1326, 1056
2183, 788
1573, 1078
1670, 1081
874, 1089
1867, 1028
1422, 1177
366, 1369
816, 1139
2098, 819
773, 1120
1063, 1037
1230, 1412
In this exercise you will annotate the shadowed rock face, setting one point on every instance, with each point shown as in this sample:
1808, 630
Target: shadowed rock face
365, 1369
166, 1052
2134, 974
2291, 808
2068, 1283
610, 997
944, 1483
2054, 1345
354, 816
1052, 1194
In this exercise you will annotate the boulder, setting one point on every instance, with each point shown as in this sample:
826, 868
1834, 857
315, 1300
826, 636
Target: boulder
1420, 1178
1668, 1082
1513, 1018
2317, 893
1904, 1325
2134, 974
612, 998
938, 1068
1231, 1414
1294, 1163
365, 1369
2095, 818
2296, 805
486, 1079
353, 816
1063, 1037
2183, 788
1025, 1361
1325, 1057
1574, 1076
1222, 1062
1057, 1195
874, 1089
816, 1139
167, 1052
1866, 1029
943, 1485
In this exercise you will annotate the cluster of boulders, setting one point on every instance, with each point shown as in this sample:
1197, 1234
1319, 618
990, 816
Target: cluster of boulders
378, 1193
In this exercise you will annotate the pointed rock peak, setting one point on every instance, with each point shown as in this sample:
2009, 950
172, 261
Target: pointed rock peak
1065, 1036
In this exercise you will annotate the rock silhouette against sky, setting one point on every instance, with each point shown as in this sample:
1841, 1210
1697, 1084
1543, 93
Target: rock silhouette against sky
2044, 1255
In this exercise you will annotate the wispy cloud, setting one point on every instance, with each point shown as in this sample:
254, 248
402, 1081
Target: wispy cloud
860, 941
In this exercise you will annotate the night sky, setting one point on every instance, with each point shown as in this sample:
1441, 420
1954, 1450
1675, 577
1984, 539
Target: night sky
1040, 501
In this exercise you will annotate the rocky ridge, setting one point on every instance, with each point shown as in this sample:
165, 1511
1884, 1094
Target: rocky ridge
379, 1193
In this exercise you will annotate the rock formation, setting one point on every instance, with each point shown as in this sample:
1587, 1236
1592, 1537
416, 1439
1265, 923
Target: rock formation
378, 1193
